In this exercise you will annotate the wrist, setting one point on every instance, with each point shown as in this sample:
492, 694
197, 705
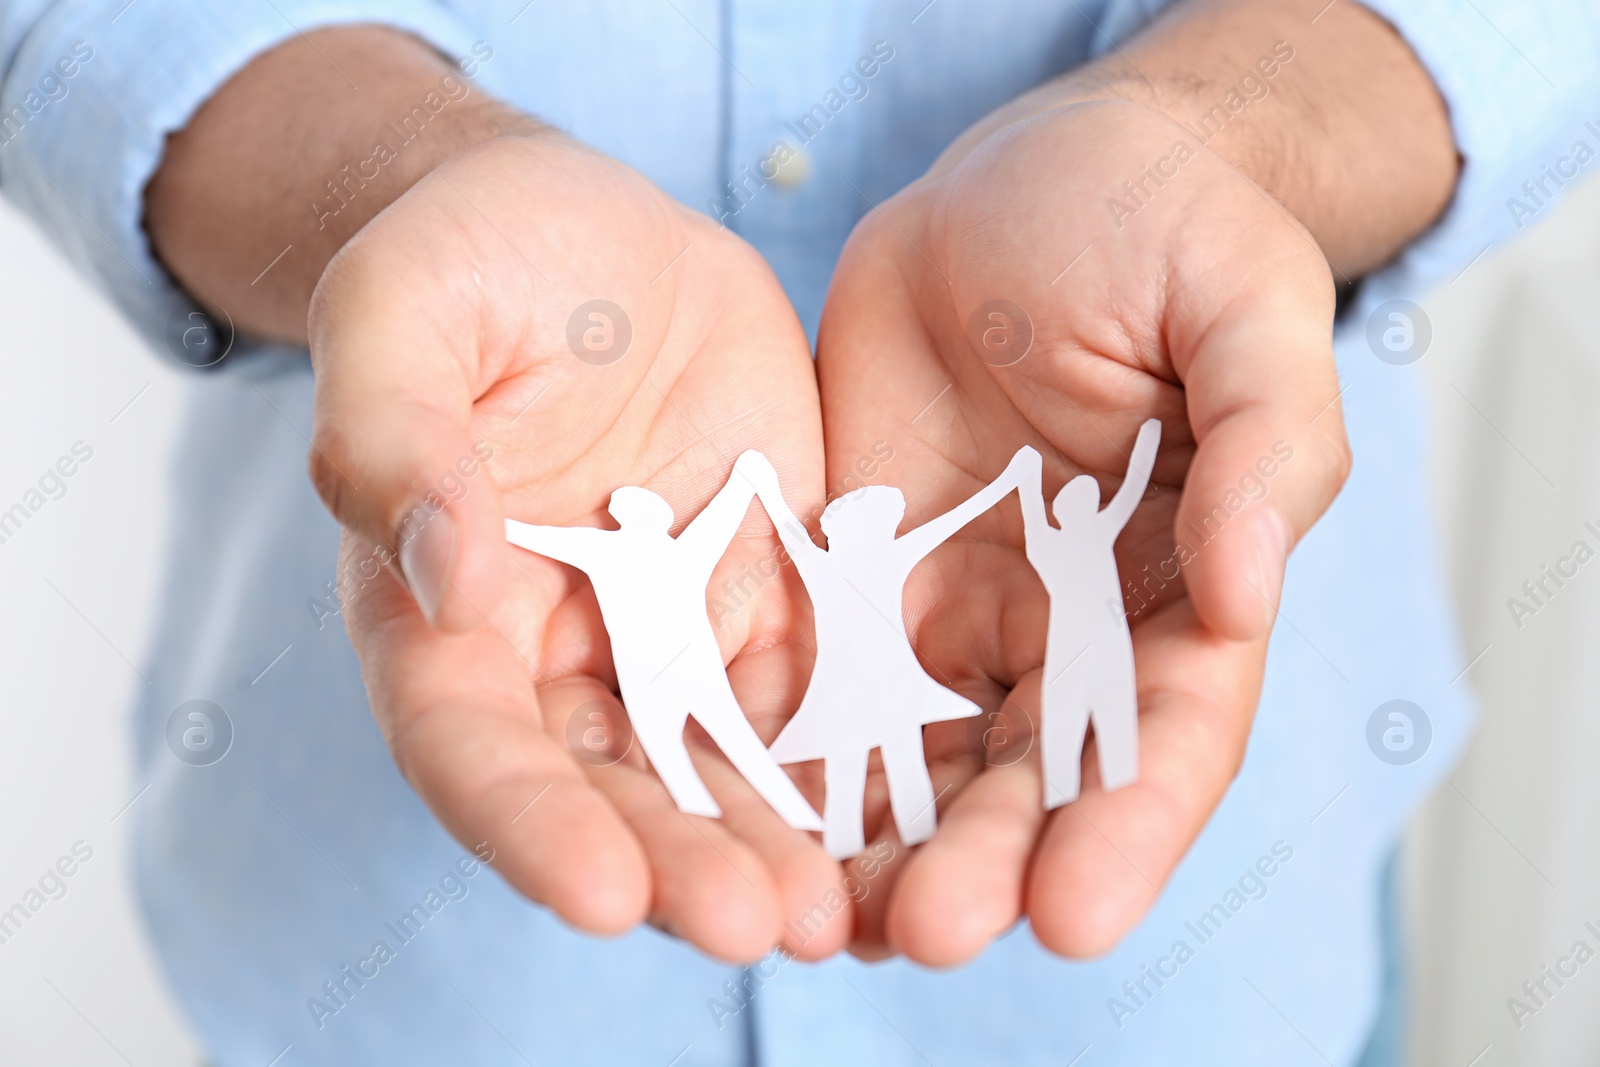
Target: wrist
286, 162
1335, 118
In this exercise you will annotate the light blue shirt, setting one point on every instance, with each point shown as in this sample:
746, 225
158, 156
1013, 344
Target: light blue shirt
270, 877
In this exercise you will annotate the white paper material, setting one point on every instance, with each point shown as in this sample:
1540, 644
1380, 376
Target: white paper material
652, 592
1088, 659
867, 689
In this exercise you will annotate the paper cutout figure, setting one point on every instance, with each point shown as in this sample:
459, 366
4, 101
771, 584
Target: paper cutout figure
867, 689
1088, 659
652, 592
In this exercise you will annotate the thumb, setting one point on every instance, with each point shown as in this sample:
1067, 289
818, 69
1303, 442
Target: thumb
1270, 454
394, 459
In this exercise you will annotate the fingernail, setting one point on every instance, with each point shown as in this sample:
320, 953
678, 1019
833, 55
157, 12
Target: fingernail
425, 561
1272, 555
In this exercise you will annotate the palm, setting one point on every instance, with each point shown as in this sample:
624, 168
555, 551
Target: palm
482, 265
1117, 339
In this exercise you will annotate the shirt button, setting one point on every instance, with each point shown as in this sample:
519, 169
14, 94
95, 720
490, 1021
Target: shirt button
792, 165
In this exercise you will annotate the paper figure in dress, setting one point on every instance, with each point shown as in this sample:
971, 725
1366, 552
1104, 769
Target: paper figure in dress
652, 592
1088, 659
867, 689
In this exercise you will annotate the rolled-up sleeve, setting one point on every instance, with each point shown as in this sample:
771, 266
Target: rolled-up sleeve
92, 89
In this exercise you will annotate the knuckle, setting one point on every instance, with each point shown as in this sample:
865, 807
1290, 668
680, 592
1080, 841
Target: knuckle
1341, 461
327, 475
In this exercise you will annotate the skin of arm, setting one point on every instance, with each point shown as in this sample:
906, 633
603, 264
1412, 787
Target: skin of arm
1131, 491
217, 218
1352, 137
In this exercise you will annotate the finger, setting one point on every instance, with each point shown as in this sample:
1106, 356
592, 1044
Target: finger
1263, 400
1103, 859
712, 889
873, 879
392, 453
711, 886
813, 910
463, 721
814, 897
964, 887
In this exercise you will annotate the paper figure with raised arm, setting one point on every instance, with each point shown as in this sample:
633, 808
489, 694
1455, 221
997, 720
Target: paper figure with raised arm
652, 592
867, 689
1088, 658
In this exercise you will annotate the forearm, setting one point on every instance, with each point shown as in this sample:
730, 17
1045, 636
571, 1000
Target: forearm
1348, 133
294, 155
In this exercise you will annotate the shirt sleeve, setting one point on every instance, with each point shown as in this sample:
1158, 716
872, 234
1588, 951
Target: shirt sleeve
1522, 83
92, 88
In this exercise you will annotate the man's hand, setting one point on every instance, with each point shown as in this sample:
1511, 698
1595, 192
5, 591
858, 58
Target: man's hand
448, 321
529, 326
1039, 287
1210, 311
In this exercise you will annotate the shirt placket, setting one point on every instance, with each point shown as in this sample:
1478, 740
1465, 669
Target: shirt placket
792, 139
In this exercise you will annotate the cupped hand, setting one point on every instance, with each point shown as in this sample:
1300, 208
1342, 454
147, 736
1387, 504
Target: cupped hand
1021, 295
528, 328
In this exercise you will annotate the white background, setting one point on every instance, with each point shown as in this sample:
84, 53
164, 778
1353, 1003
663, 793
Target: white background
77, 985
1504, 861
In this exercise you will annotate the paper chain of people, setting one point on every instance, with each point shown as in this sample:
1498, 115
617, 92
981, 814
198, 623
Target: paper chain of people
867, 689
